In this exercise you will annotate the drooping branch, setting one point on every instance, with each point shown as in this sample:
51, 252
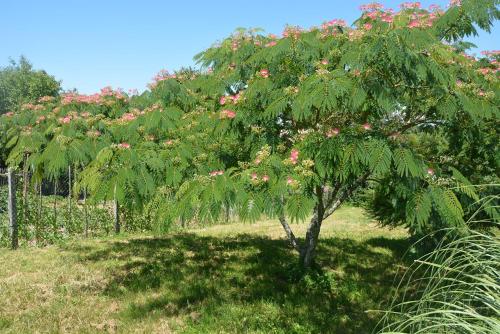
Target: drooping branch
289, 233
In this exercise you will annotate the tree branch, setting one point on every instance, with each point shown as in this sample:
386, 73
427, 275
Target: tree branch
335, 203
289, 233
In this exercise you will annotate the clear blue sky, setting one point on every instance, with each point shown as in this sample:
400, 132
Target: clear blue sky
90, 44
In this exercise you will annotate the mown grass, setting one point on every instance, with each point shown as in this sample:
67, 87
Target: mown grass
237, 278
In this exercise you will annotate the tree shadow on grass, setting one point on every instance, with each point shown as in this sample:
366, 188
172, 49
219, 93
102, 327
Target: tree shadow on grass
250, 283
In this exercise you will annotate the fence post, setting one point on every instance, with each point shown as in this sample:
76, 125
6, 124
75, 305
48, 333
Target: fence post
69, 196
85, 212
116, 213
13, 230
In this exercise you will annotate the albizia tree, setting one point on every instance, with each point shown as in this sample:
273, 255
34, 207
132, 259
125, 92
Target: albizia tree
319, 114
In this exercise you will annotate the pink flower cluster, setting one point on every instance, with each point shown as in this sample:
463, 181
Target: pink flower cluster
124, 145
255, 177
386, 16
97, 98
271, 43
333, 23
264, 73
422, 20
292, 31
332, 132
226, 113
456, 3
161, 76
9, 114
44, 99
40, 119
410, 5
492, 53
367, 126
31, 106
128, 117
216, 173
294, 156
229, 99
65, 120
93, 133
374, 6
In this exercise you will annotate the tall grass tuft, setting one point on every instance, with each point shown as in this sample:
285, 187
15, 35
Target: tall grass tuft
453, 289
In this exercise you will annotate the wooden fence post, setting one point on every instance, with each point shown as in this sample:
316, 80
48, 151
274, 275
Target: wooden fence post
116, 213
70, 209
85, 212
13, 229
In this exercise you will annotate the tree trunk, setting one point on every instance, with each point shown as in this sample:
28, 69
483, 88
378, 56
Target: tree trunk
308, 250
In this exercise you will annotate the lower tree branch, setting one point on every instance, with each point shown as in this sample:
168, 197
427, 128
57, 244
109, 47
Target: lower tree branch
334, 203
289, 233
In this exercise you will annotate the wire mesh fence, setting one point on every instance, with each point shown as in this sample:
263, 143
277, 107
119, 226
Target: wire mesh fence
48, 211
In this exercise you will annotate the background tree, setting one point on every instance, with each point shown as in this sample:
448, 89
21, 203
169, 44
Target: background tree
20, 84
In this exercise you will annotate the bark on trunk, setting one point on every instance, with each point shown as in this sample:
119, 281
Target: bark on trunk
308, 250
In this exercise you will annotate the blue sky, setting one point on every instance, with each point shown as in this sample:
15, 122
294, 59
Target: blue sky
91, 44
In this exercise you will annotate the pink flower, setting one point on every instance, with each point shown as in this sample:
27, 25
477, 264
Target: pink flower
169, 142
254, 176
367, 126
294, 156
430, 171
9, 114
227, 114
332, 132
388, 18
410, 5
257, 161
222, 100
271, 43
265, 178
289, 181
124, 145
65, 120
93, 133
481, 93
413, 24
128, 117
484, 71
216, 173
367, 26
264, 73
324, 62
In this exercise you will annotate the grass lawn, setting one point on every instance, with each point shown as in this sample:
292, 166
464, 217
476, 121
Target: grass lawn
237, 278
